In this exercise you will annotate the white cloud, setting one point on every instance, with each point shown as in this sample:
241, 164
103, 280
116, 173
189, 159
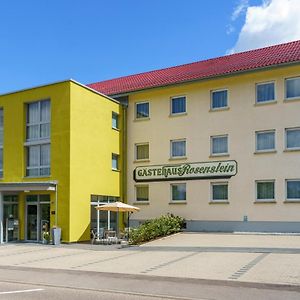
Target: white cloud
240, 9
230, 29
273, 22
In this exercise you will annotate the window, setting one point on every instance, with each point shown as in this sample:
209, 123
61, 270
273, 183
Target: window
219, 99
265, 140
38, 138
219, 191
292, 88
1, 142
38, 160
265, 190
38, 120
178, 105
219, 145
293, 189
142, 110
141, 151
142, 193
115, 120
178, 148
265, 92
293, 138
115, 161
178, 192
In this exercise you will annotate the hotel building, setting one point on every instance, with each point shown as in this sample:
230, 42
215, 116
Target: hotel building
216, 142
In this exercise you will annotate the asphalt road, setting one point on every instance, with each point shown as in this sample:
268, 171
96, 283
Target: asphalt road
26, 283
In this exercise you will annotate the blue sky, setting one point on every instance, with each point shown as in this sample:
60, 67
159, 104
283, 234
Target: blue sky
94, 40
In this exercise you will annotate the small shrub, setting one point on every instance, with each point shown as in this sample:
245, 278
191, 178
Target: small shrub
152, 229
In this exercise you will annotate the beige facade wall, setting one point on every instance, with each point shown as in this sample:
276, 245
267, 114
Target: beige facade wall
239, 122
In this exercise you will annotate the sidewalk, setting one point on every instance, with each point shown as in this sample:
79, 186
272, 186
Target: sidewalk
245, 258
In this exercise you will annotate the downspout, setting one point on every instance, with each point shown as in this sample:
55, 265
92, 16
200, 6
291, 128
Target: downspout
124, 154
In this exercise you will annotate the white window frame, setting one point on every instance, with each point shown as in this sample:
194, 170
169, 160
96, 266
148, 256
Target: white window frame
286, 190
39, 167
211, 145
285, 88
118, 161
256, 190
135, 193
135, 110
177, 157
37, 141
211, 100
136, 152
212, 184
265, 150
285, 139
171, 106
118, 122
171, 192
268, 101
40, 123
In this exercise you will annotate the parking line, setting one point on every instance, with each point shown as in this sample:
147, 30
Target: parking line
21, 291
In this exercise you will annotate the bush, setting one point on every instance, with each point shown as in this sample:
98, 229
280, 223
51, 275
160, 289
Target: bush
152, 229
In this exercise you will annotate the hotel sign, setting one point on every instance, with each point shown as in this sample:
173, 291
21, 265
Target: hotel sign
186, 171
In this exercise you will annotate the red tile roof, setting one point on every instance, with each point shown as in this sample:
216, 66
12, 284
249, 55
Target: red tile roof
225, 65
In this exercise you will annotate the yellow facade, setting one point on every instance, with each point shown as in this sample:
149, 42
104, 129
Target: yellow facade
81, 143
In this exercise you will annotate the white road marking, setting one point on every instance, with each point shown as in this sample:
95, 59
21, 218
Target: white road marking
22, 291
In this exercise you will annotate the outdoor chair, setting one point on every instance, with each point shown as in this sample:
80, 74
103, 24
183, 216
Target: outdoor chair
111, 237
95, 237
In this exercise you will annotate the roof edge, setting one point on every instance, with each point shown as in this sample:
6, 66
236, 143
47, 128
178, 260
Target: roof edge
207, 78
59, 82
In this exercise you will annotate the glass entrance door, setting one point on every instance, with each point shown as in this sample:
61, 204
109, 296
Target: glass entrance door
32, 222
38, 217
10, 218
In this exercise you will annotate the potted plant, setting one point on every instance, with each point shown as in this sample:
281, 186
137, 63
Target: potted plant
46, 237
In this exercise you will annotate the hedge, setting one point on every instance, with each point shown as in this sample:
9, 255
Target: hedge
159, 227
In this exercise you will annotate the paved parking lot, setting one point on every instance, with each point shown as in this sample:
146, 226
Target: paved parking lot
272, 259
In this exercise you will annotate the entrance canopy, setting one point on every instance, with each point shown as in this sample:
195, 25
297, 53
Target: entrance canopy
28, 186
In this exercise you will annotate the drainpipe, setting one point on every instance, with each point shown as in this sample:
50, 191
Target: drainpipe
1, 218
56, 204
124, 153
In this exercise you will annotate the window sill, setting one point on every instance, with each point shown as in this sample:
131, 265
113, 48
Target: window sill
141, 160
219, 155
178, 158
178, 202
265, 152
115, 170
141, 119
292, 201
178, 115
291, 150
264, 202
42, 176
141, 203
116, 129
37, 142
219, 202
265, 103
219, 109
291, 99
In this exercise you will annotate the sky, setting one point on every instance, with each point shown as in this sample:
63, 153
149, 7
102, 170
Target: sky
94, 40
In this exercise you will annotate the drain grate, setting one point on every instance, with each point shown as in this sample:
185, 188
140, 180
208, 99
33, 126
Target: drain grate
246, 268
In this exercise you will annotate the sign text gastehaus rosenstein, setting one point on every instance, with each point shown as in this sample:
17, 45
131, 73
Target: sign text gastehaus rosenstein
186, 171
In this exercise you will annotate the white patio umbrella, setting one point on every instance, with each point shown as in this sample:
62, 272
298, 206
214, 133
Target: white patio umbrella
118, 207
